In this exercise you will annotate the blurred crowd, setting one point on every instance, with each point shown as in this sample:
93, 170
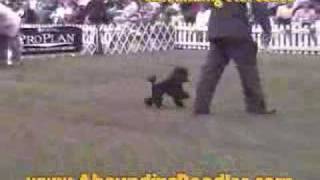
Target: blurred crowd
302, 11
121, 11
98, 11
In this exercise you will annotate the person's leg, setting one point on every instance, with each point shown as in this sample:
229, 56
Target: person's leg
313, 35
244, 53
15, 46
4, 45
210, 75
99, 50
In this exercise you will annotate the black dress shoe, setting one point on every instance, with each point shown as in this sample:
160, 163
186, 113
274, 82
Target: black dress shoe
201, 112
262, 111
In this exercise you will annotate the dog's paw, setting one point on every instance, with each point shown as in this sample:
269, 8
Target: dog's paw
158, 105
186, 95
179, 103
148, 101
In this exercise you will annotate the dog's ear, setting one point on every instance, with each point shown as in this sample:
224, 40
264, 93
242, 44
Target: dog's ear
180, 74
152, 79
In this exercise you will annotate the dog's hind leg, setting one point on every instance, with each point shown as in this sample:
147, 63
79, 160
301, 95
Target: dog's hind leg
158, 101
185, 95
157, 96
148, 101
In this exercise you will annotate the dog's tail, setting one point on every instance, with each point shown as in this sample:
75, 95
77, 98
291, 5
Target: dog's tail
152, 79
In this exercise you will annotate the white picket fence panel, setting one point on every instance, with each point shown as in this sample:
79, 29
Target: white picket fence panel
291, 39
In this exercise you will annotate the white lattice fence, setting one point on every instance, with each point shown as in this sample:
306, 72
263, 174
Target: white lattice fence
285, 39
132, 38
89, 39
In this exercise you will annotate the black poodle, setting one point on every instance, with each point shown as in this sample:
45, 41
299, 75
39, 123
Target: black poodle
172, 86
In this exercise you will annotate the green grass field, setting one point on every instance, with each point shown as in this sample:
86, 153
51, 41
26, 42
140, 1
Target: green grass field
65, 116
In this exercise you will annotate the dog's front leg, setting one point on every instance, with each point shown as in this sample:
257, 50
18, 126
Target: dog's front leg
148, 101
158, 101
178, 102
185, 95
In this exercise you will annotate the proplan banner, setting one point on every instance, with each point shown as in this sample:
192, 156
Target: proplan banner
48, 40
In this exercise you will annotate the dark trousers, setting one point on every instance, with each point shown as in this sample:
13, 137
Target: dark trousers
4, 46
12, 43
244, 54
15, 46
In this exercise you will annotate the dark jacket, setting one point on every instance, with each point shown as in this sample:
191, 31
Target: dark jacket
96, 11
232, 20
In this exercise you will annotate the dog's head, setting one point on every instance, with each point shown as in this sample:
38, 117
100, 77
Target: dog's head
180, 74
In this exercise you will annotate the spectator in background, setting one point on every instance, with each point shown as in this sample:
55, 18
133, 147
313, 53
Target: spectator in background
170, 12
306, 14
82, 3
189, 11
44, 9
298, 3
284, 14
30, 16
150, 11
57, 16
71, 12
283, 17
203, 16
202, 20
95, 12
18, 8
112, 7
273, 8
130, 9
80, 13
318, 12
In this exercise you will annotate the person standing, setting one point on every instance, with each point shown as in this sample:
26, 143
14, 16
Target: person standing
96, 15
9, 35
230, 38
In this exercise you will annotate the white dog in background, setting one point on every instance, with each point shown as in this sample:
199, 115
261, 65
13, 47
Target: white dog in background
9, 30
